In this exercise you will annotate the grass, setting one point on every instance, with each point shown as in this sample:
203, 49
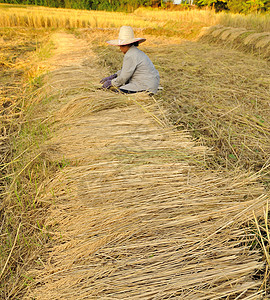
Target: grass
24, 166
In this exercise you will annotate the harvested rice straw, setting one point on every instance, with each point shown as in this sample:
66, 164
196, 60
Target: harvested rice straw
226, 34
135, 215
263, 42
217, 32
235, 34
250, 39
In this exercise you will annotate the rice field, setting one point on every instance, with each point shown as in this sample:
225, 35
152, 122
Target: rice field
257, 22
158, 22
219, 96
182, 23
37, 17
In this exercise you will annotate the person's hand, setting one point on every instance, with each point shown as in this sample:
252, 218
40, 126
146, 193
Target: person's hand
107, 84
108, 78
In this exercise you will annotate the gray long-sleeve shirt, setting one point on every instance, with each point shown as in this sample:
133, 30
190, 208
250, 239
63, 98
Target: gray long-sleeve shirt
138, 73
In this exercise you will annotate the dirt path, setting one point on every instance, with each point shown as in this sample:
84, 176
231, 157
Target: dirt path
135, 215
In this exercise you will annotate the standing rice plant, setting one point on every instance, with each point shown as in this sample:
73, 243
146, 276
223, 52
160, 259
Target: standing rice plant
258, 22
185, 24
67, 18
23, 166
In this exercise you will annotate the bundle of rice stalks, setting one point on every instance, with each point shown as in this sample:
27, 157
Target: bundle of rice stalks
243, 39
253, 38
263, 42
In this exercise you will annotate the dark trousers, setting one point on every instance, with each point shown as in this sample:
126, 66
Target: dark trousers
129, 92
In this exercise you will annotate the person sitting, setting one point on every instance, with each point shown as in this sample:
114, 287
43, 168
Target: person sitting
138, 72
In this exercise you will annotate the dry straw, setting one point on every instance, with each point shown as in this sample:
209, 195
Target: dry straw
235, 34
135, 214
264, 42
216, 95
217, 32
240, 38
253, 38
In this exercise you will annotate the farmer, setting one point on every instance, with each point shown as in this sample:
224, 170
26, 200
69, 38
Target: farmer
138, 72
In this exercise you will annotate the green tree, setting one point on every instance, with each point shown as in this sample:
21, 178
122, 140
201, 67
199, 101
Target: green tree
255, 5
236, 6
218, 5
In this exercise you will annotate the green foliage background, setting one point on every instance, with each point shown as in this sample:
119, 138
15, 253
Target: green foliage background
110, 5
234, 6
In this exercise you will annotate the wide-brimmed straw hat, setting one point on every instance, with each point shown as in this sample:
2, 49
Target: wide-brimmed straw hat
126, 36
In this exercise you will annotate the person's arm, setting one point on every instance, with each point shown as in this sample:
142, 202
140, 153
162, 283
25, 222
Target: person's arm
129, 66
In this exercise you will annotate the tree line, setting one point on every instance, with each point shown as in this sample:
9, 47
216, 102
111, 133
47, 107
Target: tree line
234, 6
111, 5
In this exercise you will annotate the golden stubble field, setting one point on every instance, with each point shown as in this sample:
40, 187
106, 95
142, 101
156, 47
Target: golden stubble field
219, 95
